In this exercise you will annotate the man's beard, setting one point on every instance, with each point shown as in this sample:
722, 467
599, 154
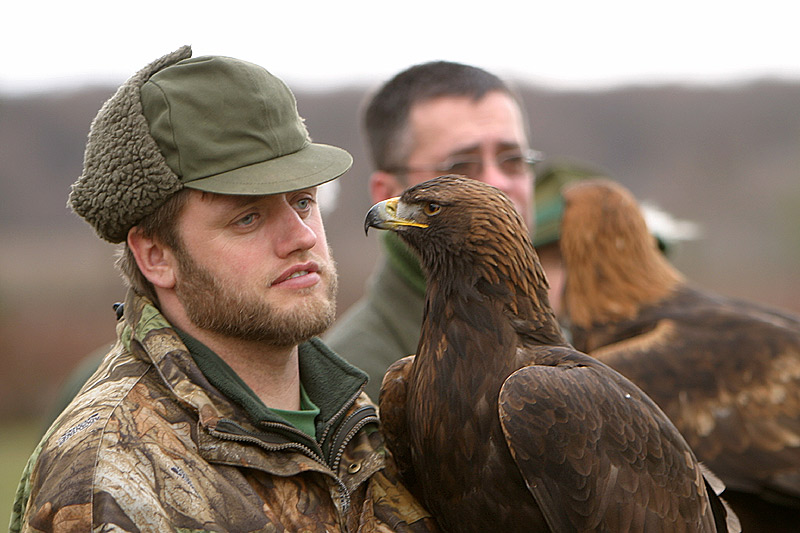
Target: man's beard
241, 314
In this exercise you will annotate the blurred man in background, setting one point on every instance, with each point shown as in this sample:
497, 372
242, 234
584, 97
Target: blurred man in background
431, 119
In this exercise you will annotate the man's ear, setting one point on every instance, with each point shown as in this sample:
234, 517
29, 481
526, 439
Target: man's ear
383, 185
156, 262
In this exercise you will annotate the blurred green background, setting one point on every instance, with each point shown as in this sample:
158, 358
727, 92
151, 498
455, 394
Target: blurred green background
17, 440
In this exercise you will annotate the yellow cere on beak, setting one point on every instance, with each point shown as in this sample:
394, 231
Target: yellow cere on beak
383, 215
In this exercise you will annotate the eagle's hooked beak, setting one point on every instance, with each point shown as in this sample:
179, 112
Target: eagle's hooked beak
383, 215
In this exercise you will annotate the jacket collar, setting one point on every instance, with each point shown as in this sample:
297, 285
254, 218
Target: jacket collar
332, 383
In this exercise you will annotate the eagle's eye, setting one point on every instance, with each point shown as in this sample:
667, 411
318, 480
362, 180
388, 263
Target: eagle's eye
432, 209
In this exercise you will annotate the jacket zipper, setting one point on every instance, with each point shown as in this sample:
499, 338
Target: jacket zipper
247, 436
339, 413
346, 431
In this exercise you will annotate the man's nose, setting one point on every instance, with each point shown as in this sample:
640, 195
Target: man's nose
294, 234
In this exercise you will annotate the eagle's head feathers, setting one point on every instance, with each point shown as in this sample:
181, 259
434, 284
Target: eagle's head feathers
469, 236
459, 220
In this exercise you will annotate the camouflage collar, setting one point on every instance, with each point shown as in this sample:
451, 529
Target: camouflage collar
331, 382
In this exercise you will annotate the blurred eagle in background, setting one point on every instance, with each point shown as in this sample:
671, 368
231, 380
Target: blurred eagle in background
726, 372
497, 423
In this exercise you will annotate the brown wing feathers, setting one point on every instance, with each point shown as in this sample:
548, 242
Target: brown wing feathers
726, 372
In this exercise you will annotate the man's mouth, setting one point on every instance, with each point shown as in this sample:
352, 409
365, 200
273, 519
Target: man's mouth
298, 274
299, 271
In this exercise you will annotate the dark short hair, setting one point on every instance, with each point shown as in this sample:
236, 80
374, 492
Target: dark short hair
387, 112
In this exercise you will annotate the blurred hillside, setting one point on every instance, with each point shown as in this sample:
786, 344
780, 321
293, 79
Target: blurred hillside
727, 158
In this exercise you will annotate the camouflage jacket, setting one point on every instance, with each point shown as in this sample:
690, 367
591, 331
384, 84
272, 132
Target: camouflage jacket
150, 445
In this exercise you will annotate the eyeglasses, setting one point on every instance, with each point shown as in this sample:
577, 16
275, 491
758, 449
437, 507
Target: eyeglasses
510, 163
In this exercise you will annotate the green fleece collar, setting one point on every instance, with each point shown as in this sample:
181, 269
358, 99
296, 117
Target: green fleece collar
327, 383
404, 261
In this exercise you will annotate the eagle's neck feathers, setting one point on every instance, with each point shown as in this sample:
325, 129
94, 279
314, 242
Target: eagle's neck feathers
495, 282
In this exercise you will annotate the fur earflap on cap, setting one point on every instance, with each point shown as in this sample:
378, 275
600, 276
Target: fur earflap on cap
125, 176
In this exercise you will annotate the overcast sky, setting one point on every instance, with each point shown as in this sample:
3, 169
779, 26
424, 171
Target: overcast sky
562, 43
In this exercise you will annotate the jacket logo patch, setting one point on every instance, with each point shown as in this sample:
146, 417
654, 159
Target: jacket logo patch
82, 426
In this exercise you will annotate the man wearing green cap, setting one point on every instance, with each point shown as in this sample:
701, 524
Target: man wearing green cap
433, 118
217, 408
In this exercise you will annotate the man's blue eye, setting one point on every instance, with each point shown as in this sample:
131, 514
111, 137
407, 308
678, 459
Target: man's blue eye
247, 220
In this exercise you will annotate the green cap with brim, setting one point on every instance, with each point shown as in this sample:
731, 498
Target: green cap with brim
211, 123
230, 127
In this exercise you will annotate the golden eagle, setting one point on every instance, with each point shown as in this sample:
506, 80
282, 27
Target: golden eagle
498, 424
726, 372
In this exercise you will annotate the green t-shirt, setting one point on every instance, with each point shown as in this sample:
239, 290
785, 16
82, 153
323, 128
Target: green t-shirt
305, 418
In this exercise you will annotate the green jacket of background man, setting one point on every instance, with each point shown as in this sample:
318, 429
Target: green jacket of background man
150, 444
384, 325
